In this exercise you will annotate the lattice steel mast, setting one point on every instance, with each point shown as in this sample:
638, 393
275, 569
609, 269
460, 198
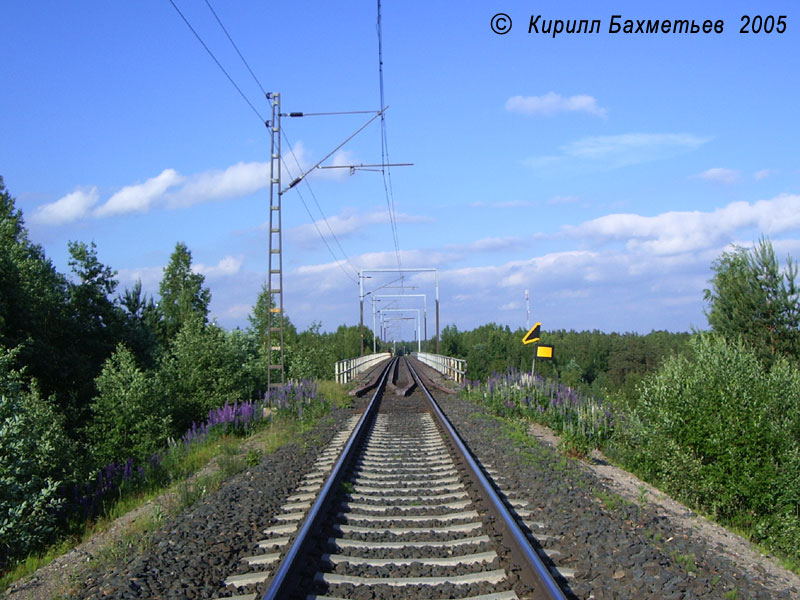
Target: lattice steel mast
276, 374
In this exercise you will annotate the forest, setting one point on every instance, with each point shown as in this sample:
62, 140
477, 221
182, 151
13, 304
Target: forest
95, 381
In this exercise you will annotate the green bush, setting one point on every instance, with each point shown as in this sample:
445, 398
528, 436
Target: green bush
717, 430
310, 362
130, 420
34, 462
205, 368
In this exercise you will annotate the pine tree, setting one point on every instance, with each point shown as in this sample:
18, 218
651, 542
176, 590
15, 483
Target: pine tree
753, 299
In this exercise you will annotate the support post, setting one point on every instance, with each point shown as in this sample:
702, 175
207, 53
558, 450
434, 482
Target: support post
361, 304
425, 319
401, 270
419, 333
275, 334
374, 348
437, 311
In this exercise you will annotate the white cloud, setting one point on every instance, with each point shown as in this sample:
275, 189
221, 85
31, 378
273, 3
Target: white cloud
342, 158
408, 258
634, 272
763, 174
552, 267
546, 268
149, 276
71, 207
612, 290
719, 175
173, 190
139, 198
226, 267
614, 151
604, 146
298, 160
348, 223
689, 231
241, 179
323, 277
493, 244
654, 279
551, 104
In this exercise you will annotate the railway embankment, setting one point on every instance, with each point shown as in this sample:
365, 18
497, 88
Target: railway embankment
609, 535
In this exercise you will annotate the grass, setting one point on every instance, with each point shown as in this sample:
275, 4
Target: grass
612, 501
656, 536
335, 393
232, 455
642, 497
253, 457
529, 449
35, 562
574, 446
135, 538
687, 561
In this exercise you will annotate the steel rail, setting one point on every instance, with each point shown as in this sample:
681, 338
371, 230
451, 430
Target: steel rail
281, 583
512, 533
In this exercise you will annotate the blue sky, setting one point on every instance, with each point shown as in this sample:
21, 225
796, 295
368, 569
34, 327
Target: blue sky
604, 173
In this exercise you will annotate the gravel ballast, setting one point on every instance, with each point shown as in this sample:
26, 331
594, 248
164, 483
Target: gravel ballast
192, 554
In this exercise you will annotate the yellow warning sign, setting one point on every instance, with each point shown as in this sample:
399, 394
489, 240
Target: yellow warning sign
533, 335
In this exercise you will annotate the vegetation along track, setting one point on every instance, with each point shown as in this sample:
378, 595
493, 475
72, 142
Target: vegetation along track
404, 512
605, 547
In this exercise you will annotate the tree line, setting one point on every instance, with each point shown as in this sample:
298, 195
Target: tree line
712, 417
91, 375
590, 360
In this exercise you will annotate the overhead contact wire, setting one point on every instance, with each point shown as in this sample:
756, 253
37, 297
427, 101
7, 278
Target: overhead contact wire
336, 259
385, 170
311, 191
214, 58
324, 217
258, 83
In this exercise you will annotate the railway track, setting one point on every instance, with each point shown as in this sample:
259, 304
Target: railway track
258, 529
399, 509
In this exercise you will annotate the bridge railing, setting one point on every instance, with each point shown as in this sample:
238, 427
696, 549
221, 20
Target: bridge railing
349, 368
454, 368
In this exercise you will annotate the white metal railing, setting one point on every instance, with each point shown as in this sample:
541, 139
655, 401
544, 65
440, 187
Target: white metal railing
454, 368
349, 368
